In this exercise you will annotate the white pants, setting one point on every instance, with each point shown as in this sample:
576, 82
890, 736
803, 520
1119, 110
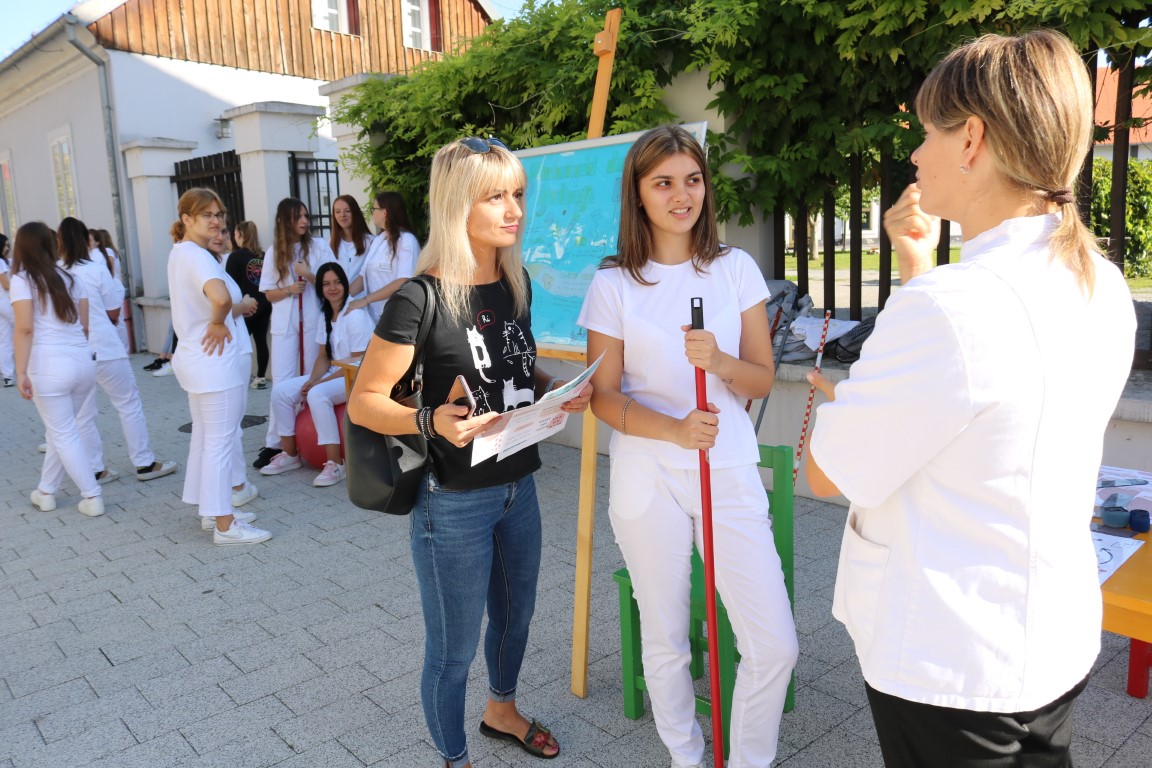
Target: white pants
656, 516
322, 401
239, 466
215, 429
122, 327
63, 378
118, 381
7, 362
284, 364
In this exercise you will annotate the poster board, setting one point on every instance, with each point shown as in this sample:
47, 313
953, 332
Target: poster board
572, 218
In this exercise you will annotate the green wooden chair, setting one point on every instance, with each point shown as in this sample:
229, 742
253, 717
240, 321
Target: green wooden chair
779, 459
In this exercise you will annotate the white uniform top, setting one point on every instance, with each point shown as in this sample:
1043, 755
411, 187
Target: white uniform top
380, 268
648, 319
968, 439
285, 317
351, 332
46, 326
236, 324
104, 293
190, 267
5, 300
346, 257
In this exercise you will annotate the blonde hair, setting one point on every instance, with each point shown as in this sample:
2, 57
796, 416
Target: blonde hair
1033, 95
193, 203
460, 177
248, 231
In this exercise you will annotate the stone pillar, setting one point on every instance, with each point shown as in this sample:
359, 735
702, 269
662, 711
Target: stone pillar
266, 133
150, 164
346, 136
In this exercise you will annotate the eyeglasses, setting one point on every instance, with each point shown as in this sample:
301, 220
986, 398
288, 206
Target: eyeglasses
208, 216
482, 146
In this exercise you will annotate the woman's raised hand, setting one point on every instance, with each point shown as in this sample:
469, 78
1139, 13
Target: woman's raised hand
914, 234
451, 422
698, 430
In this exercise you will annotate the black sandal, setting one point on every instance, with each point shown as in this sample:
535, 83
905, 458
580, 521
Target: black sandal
534, 742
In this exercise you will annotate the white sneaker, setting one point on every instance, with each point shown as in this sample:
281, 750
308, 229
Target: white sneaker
259, 382
45, 502
281, 463
331, 474
156, 469
209, 523
93, 507
43, 447
244, 495
107, 476
240, 533
164, 370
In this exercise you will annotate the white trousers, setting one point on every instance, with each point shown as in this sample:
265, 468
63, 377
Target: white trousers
656, 517
118, 381
284, 364
322, 401
215, 426
63, 378
239, 466
7, 361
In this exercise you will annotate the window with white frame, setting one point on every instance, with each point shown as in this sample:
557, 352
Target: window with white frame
9, 216
420, 24
63, 173
336, 16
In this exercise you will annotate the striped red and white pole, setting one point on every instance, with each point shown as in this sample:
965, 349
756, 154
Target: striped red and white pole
811, 397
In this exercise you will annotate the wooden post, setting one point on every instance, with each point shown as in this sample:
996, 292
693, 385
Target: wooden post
605, 49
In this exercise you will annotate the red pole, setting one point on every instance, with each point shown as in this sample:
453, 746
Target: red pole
709, 565
811, 397
300, 307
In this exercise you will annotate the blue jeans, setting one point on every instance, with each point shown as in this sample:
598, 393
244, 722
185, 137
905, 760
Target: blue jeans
473, 549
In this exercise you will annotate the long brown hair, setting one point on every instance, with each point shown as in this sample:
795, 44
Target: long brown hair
34, 254
1033, 95
634, 243
360, 231
248, 231
73, 237
104, 242
396, 221
283, 236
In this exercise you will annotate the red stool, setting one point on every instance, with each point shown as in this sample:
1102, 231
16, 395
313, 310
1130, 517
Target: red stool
312, 454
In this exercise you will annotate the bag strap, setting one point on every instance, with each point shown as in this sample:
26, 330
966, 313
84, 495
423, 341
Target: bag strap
422, 334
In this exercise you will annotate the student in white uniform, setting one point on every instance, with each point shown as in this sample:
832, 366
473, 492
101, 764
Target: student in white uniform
969, 435
113, 371
392, 257
343, 334
54, 366
102, 240
7, 363
207, 365
637, 312
350, 240
286, 278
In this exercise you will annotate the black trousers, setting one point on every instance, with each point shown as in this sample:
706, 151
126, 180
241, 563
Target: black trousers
916, 735
257, 325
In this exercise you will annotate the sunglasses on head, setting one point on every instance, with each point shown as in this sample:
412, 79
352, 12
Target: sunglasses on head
482, 146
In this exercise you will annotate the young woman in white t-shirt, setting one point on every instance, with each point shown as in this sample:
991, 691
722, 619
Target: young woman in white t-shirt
207, 365
392, 258
54, 367
343, 334
350, 240
102, 243
286, 278
637, 313
7, 363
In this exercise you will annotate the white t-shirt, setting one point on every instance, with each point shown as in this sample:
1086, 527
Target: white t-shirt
104, 293
968, 439
352, 263
5, 300
285, 315
351, 332
236, 324
190, 267
656, 373
380, 268
47, 329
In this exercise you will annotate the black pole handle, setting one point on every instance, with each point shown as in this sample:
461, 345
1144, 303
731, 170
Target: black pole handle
697, 313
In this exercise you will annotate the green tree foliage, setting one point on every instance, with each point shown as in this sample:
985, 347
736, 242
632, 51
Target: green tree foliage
1138, 253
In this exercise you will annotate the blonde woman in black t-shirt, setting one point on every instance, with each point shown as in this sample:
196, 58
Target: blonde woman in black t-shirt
475, 529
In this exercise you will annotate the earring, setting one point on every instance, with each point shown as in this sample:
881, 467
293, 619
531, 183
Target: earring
964, 169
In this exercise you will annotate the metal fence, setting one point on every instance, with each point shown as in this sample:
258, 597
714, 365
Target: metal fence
316, 182
220, 172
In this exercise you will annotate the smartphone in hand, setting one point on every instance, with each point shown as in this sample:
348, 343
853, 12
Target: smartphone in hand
461, 394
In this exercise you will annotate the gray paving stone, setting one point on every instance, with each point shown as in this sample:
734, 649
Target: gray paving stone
330, 754
111, 736
327, 689
71, 721
1089, 754
270, 679
235, 724
316, 726
162, 691
50, 675
260, 748
181, 711
161, 752
137, 670
259, 655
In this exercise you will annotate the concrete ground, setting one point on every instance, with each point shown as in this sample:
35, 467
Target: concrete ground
130, 640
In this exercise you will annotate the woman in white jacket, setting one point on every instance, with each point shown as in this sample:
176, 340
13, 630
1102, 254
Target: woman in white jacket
287, 277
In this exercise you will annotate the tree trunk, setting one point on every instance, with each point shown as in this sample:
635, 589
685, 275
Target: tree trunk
1118, 225
1084, 188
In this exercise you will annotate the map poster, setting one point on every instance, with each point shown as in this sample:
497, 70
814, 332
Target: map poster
572, 216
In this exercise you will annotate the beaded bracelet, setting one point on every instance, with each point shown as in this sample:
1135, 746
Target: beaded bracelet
623, 413
424, 423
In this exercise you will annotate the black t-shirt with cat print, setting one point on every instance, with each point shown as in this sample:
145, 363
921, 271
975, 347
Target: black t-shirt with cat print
495, 352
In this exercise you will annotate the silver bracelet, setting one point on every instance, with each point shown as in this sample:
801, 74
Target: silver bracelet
624, 413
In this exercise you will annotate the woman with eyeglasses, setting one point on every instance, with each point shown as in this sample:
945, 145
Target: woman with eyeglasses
391, 260
208, 366
350, 240
54, 367
287, 278
475, 530
343, 335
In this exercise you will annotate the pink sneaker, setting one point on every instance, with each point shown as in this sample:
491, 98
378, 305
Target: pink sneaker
280, 463
330, 475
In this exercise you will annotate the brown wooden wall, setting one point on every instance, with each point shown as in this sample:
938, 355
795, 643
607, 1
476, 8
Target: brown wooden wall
277, 35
